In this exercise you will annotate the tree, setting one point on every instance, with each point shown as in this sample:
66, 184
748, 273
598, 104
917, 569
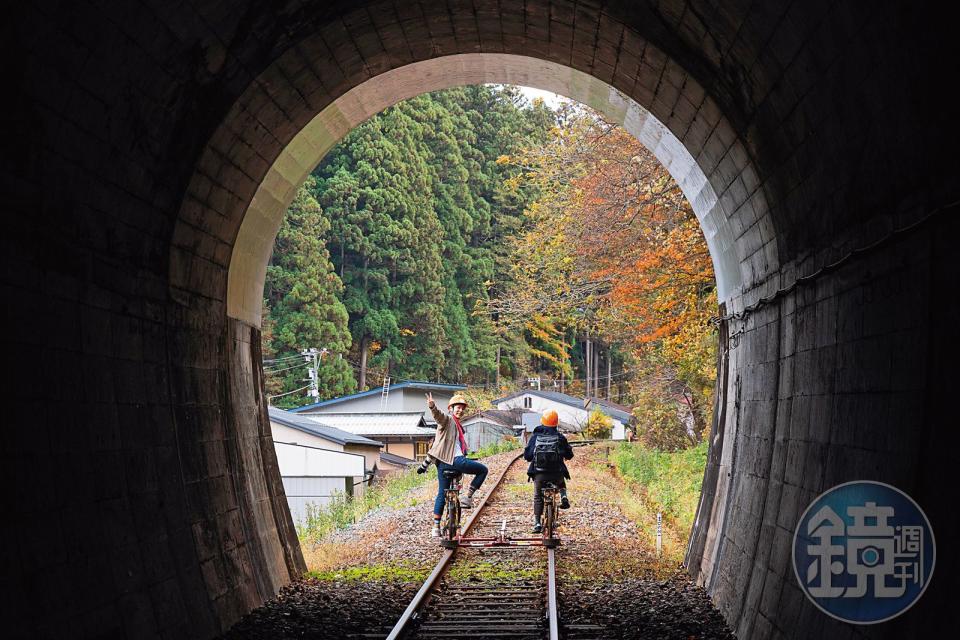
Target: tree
303, 310
612, 247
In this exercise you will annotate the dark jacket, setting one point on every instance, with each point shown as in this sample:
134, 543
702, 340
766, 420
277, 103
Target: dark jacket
566, 451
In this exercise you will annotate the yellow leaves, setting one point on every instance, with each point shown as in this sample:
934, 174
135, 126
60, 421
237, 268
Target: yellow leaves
504, 159
407, 332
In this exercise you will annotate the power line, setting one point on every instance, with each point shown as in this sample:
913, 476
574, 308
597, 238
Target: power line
286, 393
296, 366
276, 360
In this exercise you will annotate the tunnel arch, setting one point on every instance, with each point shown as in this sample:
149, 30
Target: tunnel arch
254, 241
140, 137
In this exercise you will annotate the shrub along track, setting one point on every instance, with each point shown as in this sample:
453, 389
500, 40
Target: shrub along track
610, 584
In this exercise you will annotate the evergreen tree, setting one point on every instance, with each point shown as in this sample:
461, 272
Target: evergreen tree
420, 221
302, 297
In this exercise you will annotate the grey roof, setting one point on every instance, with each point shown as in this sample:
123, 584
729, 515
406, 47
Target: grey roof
556, 396
614, 410
393, 458
386, 423
316, 428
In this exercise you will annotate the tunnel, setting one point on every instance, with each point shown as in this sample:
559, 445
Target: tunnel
151, 149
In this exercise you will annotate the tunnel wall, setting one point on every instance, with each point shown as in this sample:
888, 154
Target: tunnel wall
140, 488
836, 381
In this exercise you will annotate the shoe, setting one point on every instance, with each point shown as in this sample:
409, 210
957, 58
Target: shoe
435, 531
466, 502
564, 503
537, 528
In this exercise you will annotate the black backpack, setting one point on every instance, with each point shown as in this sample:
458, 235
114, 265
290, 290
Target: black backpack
546, 453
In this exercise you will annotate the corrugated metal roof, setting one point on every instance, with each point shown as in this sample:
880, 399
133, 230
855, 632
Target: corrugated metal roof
315, 427
399, 423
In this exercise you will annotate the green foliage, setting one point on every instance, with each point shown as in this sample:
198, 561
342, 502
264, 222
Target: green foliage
342, 510
670, 480
599, 425
303, 306
418, 220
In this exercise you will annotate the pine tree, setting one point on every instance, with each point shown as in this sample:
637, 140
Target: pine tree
302, 296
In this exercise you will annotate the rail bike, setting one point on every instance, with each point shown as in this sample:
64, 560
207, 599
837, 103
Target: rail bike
450, 524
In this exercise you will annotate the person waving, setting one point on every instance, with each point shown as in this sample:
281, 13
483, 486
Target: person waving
449, 451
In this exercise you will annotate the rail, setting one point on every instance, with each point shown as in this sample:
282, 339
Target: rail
442, 565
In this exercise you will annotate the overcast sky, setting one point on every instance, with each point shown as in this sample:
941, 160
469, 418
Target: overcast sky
552, 99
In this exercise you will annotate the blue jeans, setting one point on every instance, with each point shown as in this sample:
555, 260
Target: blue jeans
465, 465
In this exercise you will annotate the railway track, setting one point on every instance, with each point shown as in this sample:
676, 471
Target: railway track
487, 592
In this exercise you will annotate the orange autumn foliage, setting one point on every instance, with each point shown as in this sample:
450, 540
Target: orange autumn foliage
613, 244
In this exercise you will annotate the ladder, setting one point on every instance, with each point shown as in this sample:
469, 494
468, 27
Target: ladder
385, 393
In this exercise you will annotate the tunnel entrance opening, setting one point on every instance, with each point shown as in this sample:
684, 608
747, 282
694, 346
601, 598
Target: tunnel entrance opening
142, 489
613, 204
697, 145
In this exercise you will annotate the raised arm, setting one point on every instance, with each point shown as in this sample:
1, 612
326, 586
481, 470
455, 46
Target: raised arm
443, 420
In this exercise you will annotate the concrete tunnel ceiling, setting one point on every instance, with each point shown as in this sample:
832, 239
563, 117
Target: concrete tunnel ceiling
254, 243
154, 150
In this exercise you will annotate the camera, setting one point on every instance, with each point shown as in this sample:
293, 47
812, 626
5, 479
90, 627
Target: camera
423, 466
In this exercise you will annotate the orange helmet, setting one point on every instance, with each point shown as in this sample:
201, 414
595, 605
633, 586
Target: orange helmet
549, 418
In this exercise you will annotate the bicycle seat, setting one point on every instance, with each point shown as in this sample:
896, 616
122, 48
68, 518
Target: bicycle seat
452, 473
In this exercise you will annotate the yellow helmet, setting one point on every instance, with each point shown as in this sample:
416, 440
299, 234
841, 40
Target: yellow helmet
458, 398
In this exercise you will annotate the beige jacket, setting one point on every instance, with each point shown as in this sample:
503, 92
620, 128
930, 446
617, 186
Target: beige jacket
445, 442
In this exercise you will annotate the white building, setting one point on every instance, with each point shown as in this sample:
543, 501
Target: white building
574, 412
317, 462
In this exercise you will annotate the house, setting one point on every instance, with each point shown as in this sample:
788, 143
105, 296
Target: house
405, 395
574, 412
291, 428
492, 425
317, 462
403, 433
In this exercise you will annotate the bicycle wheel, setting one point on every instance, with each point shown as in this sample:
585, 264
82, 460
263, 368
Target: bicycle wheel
549, 524
451, 523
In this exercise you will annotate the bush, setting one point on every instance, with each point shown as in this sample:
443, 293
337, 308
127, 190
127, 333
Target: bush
671, 480
599, 426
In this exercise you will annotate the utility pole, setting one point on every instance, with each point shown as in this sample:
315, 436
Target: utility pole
609, 370
313, 356
587, 363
